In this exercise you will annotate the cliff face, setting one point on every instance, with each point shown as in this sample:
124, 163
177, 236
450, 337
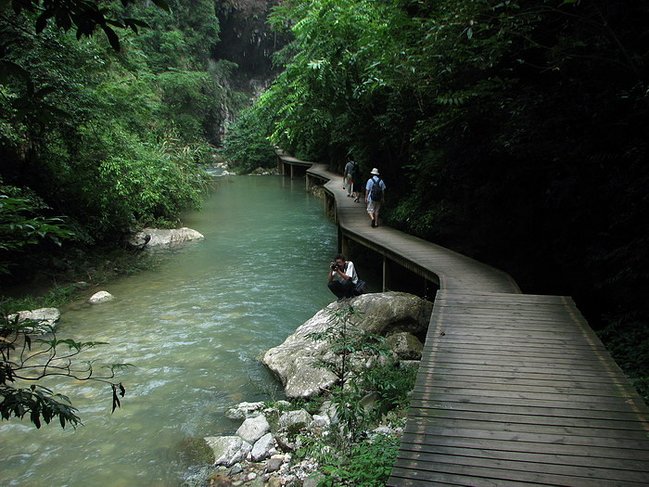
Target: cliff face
246, 40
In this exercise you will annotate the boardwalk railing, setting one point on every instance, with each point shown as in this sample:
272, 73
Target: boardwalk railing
513, 389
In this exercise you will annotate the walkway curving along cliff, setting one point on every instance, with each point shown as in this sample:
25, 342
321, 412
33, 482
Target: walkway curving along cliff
513, 389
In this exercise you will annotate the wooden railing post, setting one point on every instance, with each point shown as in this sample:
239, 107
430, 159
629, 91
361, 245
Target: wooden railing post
343, 243
386, 273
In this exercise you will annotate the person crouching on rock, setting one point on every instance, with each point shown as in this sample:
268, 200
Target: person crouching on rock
342, 277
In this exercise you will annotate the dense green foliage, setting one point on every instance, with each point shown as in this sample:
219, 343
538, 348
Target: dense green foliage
514, 131
363, 366
246, 147
369, 464
106, 142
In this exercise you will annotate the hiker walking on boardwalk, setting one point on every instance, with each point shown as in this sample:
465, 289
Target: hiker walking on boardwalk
347, 175
374, 191
343, 278
357, 184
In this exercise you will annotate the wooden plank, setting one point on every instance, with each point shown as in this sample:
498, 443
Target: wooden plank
494, 295
529, 408
545, 383
602, 468
454, 411
437, 433
476, 341
499, 371
512, 301
591, 392
556, 400
493, 476
612, 437
518, 365
495, 357
553, 465
457, 345
411, 477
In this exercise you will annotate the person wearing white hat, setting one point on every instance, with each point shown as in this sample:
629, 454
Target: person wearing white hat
374, 190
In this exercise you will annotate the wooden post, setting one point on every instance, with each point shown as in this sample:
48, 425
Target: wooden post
343, 243
385, 273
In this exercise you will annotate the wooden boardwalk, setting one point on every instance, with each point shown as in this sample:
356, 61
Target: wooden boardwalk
447, 268
513, 389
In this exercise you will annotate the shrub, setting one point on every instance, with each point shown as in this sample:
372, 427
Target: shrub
246, 146
369, 464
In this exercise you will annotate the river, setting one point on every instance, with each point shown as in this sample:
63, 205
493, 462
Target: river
193, 327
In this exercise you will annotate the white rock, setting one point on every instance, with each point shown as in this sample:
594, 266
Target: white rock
295, 419
228, 450
320, 421
274, 464
253, 428
262, 447
157, 237
405, 345
101, 297
383, 430
245, 410
329, 409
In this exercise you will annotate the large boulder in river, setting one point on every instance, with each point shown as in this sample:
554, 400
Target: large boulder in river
295, 360
160, 237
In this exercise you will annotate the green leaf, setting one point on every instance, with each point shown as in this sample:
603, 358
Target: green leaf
113, 39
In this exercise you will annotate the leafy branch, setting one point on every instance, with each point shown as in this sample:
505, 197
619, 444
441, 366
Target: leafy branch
83, 15
24, 360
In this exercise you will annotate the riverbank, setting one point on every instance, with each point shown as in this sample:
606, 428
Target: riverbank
349, 370
305, 444
72, 275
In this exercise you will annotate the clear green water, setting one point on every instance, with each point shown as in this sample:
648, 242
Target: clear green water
194, 327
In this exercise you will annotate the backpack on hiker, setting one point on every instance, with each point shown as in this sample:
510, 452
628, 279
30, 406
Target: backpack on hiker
376, 191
